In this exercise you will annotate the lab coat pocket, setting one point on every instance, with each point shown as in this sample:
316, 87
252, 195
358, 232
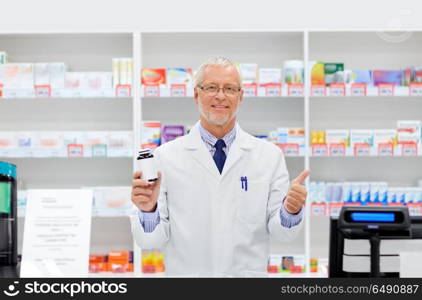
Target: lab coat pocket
252, 202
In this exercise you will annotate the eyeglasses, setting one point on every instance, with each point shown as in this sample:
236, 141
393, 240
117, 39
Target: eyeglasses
228, 90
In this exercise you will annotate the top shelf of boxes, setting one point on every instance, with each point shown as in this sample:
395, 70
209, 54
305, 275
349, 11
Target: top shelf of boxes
340, 64
327, 80
333, 80
54, 80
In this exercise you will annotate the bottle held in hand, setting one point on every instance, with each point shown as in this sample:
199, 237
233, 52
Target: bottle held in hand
146, 164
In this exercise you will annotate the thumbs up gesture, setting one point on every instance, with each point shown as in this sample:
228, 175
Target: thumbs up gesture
296, 196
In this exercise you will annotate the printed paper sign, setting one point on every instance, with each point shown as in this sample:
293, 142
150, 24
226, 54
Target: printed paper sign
57, 233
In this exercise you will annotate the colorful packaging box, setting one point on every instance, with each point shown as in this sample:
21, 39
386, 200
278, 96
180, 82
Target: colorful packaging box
3, 57
417, 74
408, 137
115, 67
25, 141
293, 72
409, 130
73, 80
123, 71
179, 76
359, 76
361, 136
333, 73
317, 137
95, 143
249, 73
317, 73
269, 76
98, 263
153, 77
337, 136
291, 136
112, 201
383, 136
408, 76
120, 144
296, 136
96, 80
274, 264
170, 132
314, 265
42, 74
385, 76
18, 76
150, 134
287, 262
48, 144
152, 261
57, 73
120, 261
409, 125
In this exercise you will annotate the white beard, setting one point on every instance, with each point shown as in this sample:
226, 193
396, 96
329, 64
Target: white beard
214, 119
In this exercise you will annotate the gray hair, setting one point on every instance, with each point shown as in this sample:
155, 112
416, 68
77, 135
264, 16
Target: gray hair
212, 61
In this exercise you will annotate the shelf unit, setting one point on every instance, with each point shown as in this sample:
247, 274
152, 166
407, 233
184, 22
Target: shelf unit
369, 49
82, 52
258, 115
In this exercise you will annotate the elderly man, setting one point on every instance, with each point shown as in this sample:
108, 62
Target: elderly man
221, 193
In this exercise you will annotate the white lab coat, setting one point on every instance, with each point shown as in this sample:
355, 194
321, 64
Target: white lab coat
209, 225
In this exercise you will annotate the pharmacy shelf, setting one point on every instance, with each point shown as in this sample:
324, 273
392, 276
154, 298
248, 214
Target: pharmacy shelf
66, 114
58, 173
189, 49
395, 171
257, 116
365, 49
377, 109
72, 110
397, 152
368, 156
8, 94
96, 97
361, 113
282, 91
83, 52
348, 91
246, 98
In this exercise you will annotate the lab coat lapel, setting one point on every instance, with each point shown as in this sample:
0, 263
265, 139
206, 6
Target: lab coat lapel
199, 152
241, 144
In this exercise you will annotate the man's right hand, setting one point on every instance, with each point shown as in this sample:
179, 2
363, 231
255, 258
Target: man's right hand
144, 193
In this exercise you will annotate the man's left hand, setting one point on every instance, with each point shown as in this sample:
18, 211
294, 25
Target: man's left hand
296, 196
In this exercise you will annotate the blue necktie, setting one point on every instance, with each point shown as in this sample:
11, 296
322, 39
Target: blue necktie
219, 155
